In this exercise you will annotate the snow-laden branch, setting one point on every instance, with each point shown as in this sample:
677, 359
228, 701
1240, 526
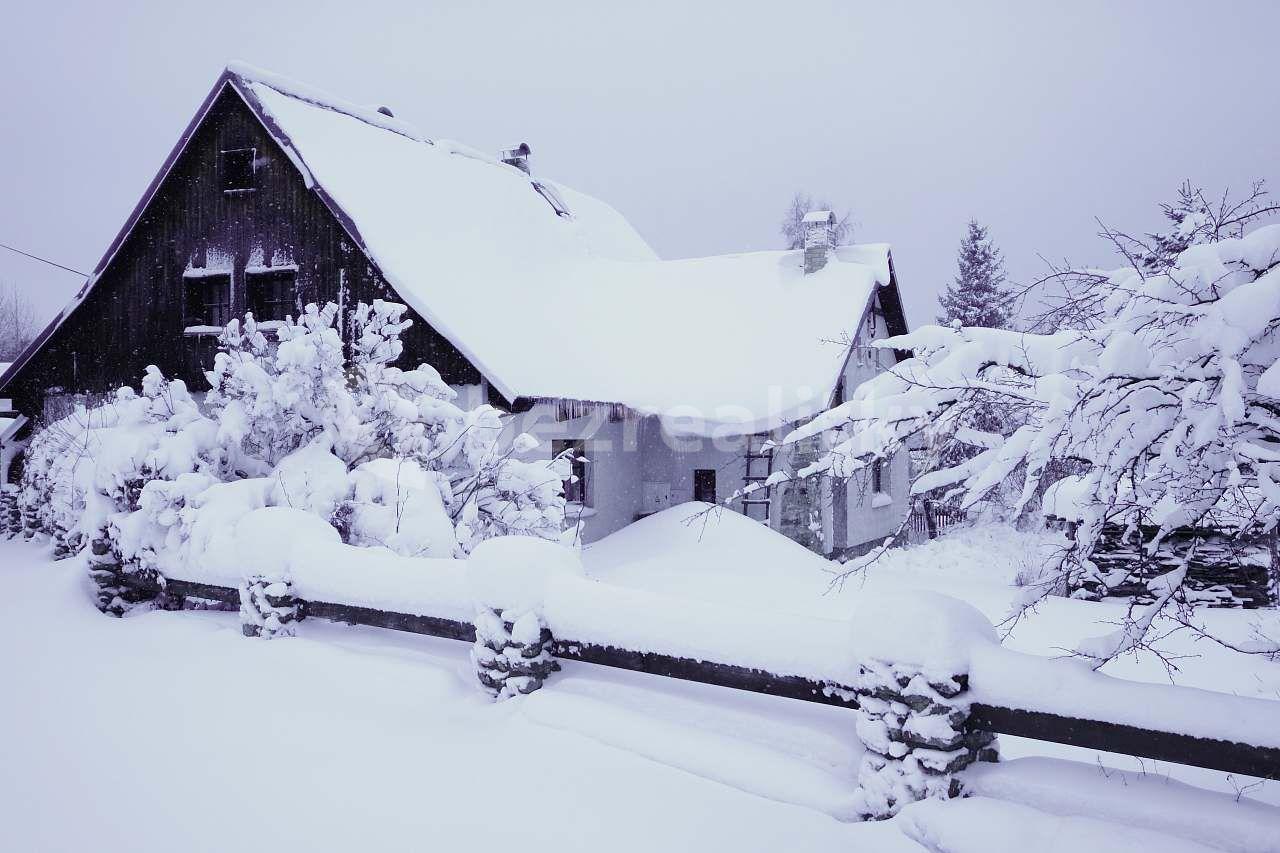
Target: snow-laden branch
1166, 402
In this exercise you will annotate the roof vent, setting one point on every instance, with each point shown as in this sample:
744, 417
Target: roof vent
386, 111
517, 156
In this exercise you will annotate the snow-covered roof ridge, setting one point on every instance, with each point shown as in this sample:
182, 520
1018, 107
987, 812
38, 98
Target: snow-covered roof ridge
248, 74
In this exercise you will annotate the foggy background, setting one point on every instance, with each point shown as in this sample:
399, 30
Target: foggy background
698, 124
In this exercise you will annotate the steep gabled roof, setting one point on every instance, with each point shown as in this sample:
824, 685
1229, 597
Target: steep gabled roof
551, 293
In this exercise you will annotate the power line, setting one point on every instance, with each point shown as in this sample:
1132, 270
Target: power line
43, 260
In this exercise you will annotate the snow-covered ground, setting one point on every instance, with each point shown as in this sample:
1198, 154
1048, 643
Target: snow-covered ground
722, 557
168, 731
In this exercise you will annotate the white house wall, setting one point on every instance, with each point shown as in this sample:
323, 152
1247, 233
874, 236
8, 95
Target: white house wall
865, 521
625, 455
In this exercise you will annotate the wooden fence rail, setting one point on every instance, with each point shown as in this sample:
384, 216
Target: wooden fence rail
1179, 748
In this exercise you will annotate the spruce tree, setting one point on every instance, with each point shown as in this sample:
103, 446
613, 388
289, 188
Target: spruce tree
977, 297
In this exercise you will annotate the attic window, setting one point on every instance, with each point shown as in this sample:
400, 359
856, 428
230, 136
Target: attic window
553, 198
271, 294
237, 169
208, 302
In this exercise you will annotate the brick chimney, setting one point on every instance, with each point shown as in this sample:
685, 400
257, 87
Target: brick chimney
819, 237
517, 156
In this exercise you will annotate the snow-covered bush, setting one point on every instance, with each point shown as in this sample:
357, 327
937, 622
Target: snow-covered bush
87, 471
380, 453
1167, 402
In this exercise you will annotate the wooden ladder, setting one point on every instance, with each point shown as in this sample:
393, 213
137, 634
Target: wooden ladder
759, 465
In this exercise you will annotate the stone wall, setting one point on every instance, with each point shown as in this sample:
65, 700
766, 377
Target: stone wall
1223, 571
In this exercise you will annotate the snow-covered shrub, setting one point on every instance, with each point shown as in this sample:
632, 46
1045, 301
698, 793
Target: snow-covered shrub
270, 399
398, 504
86, 472
380, 453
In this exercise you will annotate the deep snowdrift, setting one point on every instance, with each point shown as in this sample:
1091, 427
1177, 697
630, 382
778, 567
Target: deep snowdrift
130, 734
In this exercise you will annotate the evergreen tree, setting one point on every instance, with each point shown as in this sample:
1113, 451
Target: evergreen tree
977, 297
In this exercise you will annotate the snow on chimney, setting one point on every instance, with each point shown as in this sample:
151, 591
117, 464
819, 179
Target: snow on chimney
518, 157
819, 236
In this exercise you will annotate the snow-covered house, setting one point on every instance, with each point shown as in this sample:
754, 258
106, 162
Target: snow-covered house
666, 377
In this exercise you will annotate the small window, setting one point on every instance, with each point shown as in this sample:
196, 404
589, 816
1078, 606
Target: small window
877, 476
575, 488
237, 169
871, 322
208, 301
704, 485
271, 295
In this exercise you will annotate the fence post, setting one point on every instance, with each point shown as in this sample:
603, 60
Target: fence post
29, 519
510, 579
268, 607
511, 657
65, 542
107, 570
10, 515
913, 728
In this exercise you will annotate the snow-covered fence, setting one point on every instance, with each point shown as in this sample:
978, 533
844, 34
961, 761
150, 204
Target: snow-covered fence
930, 519
930, 684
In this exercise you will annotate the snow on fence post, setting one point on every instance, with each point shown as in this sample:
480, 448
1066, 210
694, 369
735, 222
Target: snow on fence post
268, 607
508, 576
28, 513
913, 728
912, 717
106, 570
511, 658
10, 515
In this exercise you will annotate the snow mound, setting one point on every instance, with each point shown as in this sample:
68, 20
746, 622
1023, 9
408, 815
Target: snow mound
918, 627
709, 552
980, 825
310, 478
1139, 799
381, 579
513, 572
266, 538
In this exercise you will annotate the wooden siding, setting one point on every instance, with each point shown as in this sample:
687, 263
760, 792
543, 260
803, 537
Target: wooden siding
134, 315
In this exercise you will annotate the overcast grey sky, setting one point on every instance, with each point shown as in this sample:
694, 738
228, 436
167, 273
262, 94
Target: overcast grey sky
698, 123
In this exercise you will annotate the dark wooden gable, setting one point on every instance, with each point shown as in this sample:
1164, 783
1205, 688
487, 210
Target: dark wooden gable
136, 311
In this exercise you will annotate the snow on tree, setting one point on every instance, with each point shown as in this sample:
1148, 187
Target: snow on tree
1167, 402
977, 296
792, 226
381, 453
427, 478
